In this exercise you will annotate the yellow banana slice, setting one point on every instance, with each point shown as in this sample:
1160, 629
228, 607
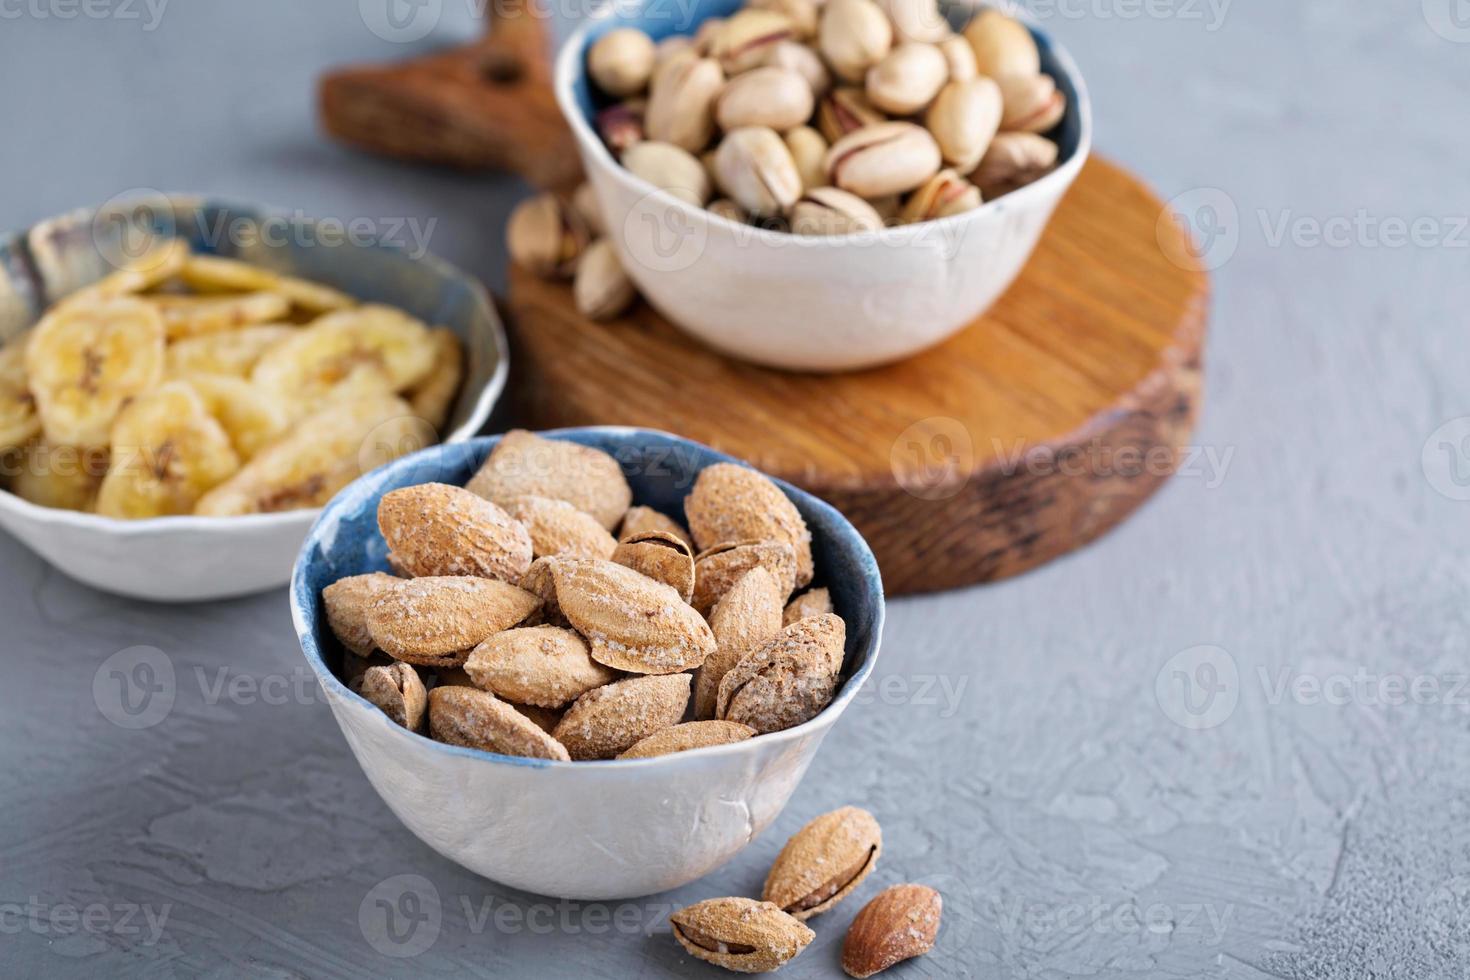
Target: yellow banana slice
85, 359
251, 419
433, 397
19, 423
321, 455
233, 353
210, 273
194, 316
167, 451
160, 263
348, 353
64, 477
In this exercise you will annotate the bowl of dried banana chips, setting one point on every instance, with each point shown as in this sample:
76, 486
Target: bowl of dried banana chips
184, 383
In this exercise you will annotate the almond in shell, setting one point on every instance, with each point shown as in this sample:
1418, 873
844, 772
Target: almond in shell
735, 503
610, 720
640, 520
660, 555
690, 735
747, 617
537, 665
789, 680
901, 922
437, 529
525, 464
399, 691
824, 861
740, 934
436, 621
346, 602
539, 583
632, 622
813, 602
717, 569
477, 720
559, 529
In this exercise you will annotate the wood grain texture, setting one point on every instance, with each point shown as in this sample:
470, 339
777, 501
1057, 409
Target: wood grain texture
1027, 435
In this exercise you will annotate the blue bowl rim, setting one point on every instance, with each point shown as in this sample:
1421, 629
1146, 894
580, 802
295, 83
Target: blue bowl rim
484, 405
304, 619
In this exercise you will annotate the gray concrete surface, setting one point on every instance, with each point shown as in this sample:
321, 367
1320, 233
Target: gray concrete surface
1228, 741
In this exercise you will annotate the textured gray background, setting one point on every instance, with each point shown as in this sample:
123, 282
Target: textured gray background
1015, 747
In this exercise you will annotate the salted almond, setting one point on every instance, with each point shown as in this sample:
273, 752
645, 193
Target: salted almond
641, 520
436, 529
789, 680
559, 529
900, 923
824, 861
735, 503
632, 622
690, 735
346, 602
544, 666
747, 617
813, 602
436, 621
477, 720
525, 464
539, 583
661, 556
612, 719
355, 668
399, 691
717, 569
740, 934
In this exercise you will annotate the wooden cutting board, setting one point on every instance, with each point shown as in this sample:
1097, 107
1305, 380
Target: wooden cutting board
1024, 437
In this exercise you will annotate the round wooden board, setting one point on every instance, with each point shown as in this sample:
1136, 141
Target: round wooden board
1025, 436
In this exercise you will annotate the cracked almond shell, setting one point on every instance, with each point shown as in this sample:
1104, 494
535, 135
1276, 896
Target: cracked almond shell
689, 735
824, 861
436, 621
661, 556
641, 520
735, 503
559, 529
525, 464
610, 720
632, 622
789, 680
545, 666
478, 720
746, 618
717, 569
346, 601
398, 691
814, 602
437, 529
740, 934
901, 922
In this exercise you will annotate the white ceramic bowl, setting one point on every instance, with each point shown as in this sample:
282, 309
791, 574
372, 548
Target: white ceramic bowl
183, 559
804, 303
582, 830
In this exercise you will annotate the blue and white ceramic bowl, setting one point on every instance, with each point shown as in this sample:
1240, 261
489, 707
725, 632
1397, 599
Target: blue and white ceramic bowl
584, 830
813, 303
192, 558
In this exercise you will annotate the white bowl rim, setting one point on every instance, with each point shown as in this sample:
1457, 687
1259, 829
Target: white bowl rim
478, 415
823, 719
568, 67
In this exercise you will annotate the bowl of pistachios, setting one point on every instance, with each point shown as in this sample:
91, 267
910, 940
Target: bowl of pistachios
820, 186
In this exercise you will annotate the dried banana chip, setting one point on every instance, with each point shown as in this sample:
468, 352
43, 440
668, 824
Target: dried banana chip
210, 273
250, 418
86, 359
322, 454
233, 354
19, 423
64, 477
194, 316
167, 451
359, 351
434, 396
161, 262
